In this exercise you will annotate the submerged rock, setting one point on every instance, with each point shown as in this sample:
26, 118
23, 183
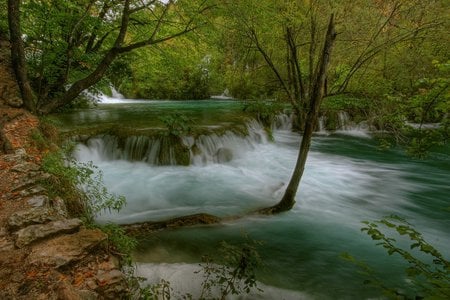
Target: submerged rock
224, 155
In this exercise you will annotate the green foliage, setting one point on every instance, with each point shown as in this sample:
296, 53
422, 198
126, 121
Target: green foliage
79, 184
345, 103
4, 31
119, 242
177, 124
38, 140
264, 111
235, 274
161, 291
430, 102
428, 270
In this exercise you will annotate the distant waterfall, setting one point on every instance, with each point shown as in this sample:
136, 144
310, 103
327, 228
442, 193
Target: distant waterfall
115, 94
283, 122
341, 122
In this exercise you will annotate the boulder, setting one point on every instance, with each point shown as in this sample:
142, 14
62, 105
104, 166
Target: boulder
69, 292
224, 155
17, 156
36, 215
34, 233
111, 284
38, 201
63, 250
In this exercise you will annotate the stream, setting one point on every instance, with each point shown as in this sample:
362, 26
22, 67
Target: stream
347, 180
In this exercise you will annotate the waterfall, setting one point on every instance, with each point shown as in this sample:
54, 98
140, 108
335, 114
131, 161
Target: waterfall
115, 94
283, 122
348, 127
170, 150
214, 148
344, 121
322, 129
224, 96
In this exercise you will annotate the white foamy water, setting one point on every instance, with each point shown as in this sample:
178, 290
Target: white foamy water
346, 180
345, 189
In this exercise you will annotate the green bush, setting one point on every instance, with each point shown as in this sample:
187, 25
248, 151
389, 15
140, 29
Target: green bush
80, 185
264, 111
177, 124
428, 270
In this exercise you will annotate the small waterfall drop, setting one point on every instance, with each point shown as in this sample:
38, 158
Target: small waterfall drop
115, 94
283, 122
348, 127
321, 124
169, 150
224, 96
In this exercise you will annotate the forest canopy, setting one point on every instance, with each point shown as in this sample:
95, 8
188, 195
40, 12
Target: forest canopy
390, 55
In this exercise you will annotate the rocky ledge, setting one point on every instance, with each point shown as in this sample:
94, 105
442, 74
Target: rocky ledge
45, 253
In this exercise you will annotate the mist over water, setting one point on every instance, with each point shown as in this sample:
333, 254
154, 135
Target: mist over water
346, 180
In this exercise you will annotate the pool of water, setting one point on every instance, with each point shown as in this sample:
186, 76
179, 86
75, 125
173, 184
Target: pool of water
347, 180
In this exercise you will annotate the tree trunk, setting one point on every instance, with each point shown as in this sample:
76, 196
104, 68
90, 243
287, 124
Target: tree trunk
316, 95
18, 55
80, 85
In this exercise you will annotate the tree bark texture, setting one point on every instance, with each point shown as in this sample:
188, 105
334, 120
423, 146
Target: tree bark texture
18, 55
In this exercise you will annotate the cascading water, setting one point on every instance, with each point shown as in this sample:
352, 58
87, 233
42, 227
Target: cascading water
161, 150
346, 180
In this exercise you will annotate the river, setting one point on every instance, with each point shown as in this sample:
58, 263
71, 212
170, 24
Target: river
347, 180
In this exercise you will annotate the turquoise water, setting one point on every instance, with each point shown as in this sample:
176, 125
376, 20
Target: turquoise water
347, 180
147, 113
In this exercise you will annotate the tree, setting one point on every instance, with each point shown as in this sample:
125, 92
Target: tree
296, 26
75, 43
315, 99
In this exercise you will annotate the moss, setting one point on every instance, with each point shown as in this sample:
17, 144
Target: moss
182, 154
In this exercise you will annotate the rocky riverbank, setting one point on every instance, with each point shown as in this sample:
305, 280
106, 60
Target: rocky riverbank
45, 253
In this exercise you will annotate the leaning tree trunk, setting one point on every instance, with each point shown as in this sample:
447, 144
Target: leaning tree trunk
316, 95
18, 55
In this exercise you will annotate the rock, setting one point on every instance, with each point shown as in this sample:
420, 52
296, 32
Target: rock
112, 284
23, 183
66, 249
110, 263
19, 155
69, 292
87, 295
5, 243
90, 283
39, 201
37, 215
25, 167
38, 189
59, 206
224, 155
34, 233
